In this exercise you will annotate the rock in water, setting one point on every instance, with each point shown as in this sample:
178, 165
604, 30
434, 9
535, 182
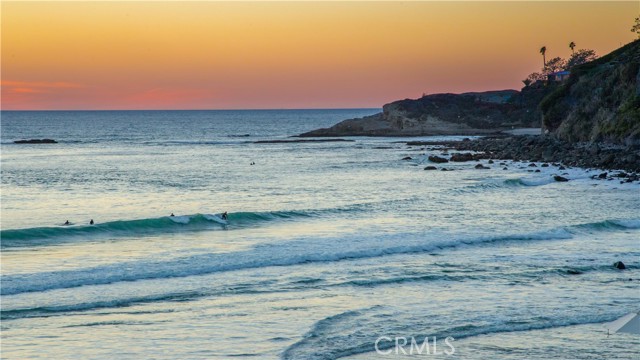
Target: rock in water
437, 159
36, 141
480, 166
407, 158
619, 265
560, 178
462, 157
431, 168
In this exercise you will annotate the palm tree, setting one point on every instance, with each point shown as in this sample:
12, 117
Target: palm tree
572, 45
543, 51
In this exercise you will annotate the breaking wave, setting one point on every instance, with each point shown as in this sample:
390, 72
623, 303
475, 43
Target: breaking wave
46, 235
280, 254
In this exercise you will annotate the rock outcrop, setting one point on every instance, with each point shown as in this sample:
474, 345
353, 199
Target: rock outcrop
619, 265
447, 114
550, 149
36, 141
438, 159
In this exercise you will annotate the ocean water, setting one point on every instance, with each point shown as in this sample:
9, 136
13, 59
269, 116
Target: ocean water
330, 246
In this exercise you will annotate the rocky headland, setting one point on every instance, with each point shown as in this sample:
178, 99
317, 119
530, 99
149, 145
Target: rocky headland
479, 113
591, 120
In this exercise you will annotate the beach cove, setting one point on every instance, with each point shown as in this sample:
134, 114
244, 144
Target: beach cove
509, 263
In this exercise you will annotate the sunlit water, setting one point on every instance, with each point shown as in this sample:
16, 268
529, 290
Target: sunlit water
329, 245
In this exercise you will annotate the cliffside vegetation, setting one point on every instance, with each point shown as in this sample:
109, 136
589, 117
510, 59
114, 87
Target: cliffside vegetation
557, 63
600, 102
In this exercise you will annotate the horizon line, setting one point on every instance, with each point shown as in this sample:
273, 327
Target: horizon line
229, 109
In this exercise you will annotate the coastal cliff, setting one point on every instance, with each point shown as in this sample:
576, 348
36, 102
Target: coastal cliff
600, 102
592, 120
479, 113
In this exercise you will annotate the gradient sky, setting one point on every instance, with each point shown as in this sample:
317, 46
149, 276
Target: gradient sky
260, 55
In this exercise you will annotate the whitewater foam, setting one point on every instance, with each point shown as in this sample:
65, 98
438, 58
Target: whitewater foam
280, 254
354, 332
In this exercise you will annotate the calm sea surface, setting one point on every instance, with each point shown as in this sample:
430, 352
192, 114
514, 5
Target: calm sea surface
329, 246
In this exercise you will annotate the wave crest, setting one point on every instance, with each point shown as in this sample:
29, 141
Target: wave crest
281, 254
47, 235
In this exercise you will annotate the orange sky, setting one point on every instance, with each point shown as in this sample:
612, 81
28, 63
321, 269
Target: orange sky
241, 55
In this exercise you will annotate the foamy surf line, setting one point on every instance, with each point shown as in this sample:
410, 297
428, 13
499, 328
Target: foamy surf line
281, 254
60, 302
322, 342
45, 311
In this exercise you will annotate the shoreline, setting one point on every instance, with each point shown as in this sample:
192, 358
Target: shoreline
542, 149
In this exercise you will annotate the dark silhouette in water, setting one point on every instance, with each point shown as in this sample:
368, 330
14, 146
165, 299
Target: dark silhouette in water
67, 222
36, 141
171, 214
224, 216
619, 265
91, 222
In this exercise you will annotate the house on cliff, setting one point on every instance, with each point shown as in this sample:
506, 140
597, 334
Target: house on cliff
559, 76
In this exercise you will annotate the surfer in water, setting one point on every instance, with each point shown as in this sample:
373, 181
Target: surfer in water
67, 222
171, 214
224, 216
91, 222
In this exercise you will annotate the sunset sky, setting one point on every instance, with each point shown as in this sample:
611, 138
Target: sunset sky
263, 55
